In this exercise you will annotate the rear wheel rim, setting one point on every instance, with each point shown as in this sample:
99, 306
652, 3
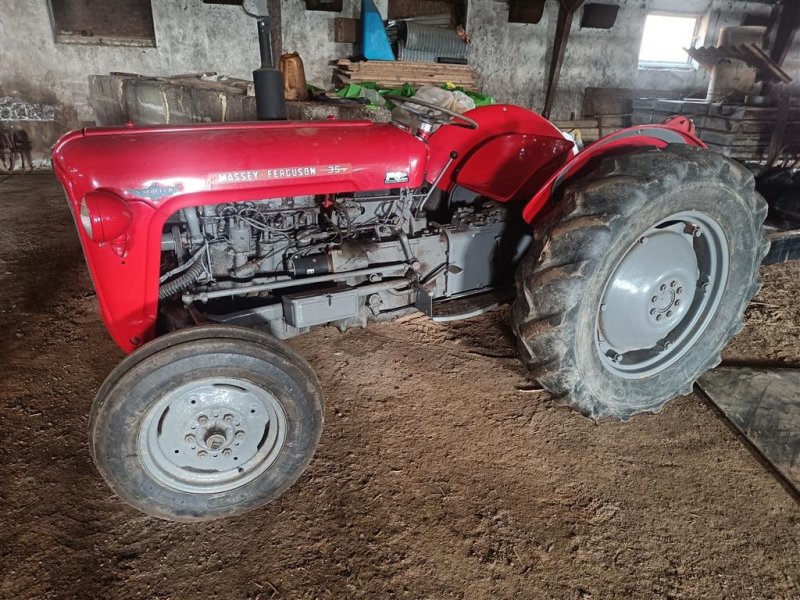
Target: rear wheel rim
212, 435
662, 295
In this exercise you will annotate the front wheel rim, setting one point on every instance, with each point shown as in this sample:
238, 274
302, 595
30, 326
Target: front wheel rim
662, 295
212, 435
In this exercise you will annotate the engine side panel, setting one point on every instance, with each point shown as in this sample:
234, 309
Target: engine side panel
513, 166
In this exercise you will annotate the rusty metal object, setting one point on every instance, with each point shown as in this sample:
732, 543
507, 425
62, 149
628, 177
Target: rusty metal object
15, 146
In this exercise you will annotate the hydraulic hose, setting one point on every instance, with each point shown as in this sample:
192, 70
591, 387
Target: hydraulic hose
182, 282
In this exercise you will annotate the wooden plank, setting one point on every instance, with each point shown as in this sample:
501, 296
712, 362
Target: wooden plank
764, 405
345, 30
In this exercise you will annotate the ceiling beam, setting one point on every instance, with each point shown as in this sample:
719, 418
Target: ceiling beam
786, 20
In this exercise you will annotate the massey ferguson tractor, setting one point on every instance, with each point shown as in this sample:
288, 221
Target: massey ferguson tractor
630, 263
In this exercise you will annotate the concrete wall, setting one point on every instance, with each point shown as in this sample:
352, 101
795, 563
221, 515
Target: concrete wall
513, 58
190, 37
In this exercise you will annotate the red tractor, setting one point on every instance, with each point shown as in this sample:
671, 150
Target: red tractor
633, 261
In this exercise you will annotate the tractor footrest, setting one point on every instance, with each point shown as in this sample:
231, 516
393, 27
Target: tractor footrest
470, 306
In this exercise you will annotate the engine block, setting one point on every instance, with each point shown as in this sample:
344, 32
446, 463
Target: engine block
307, 260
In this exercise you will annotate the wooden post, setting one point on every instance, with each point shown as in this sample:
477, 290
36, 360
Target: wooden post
566, 10
275, 31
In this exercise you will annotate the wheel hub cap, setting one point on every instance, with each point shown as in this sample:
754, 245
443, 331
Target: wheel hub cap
662, 294
640, 302
211, 436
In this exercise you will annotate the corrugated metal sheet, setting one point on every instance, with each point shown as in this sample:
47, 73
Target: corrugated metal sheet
751, 54
423, 43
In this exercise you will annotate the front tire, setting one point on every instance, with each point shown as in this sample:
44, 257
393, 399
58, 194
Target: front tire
638, 278
201, 428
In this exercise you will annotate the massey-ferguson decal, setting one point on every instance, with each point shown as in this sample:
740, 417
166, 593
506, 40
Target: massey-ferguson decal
254, 175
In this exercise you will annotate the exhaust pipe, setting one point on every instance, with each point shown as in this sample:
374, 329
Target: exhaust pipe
267, 80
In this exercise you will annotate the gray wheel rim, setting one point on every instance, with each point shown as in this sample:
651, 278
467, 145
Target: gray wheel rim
212, 435
662, 295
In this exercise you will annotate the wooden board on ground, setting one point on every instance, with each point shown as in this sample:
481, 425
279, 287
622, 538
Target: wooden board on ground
764, 405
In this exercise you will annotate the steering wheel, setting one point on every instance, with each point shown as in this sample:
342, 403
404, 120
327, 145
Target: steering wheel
430, 115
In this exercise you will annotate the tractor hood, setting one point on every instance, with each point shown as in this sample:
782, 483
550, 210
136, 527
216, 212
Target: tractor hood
253, 160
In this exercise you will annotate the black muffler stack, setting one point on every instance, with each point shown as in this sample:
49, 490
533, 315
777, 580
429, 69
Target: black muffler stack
267, 80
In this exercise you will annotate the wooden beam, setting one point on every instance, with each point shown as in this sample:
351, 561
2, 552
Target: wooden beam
275, 30
786, 21
566, 10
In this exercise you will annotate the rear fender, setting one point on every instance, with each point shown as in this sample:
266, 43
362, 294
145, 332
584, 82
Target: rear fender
675, 130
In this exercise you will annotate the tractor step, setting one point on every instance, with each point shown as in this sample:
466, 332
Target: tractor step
467, 307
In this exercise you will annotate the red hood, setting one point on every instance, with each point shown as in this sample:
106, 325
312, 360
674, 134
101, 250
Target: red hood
262, 159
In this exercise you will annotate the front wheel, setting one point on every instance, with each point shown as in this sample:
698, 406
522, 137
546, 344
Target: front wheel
638, 278
206, 427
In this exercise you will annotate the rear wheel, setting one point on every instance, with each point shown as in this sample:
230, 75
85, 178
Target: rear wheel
638, 278
206, 424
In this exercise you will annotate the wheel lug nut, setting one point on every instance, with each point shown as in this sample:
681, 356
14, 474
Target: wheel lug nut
653, 311
202, 419
202, 454
669, 313
679, 290
240, 435
643, 240
677, 302
693, 229
228, 418
227, 452
189, 439
659, 317
673, 283
663, 287
654, 299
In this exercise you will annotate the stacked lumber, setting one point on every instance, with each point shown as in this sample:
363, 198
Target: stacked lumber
736, 130
396, 73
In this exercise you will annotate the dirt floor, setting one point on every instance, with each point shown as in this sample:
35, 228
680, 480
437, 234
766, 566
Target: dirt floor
441, 473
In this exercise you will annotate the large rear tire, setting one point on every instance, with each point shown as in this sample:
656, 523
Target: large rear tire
638, 278
206, 424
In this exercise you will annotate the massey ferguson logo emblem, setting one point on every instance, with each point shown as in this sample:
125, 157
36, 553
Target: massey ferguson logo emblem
228, 177
155, 191
396, 177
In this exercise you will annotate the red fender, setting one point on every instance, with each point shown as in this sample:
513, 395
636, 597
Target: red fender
675, 130
508, 158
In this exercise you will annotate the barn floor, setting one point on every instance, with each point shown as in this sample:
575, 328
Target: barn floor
440, 473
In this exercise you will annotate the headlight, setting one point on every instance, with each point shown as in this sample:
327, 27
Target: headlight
104, 216
86, 218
